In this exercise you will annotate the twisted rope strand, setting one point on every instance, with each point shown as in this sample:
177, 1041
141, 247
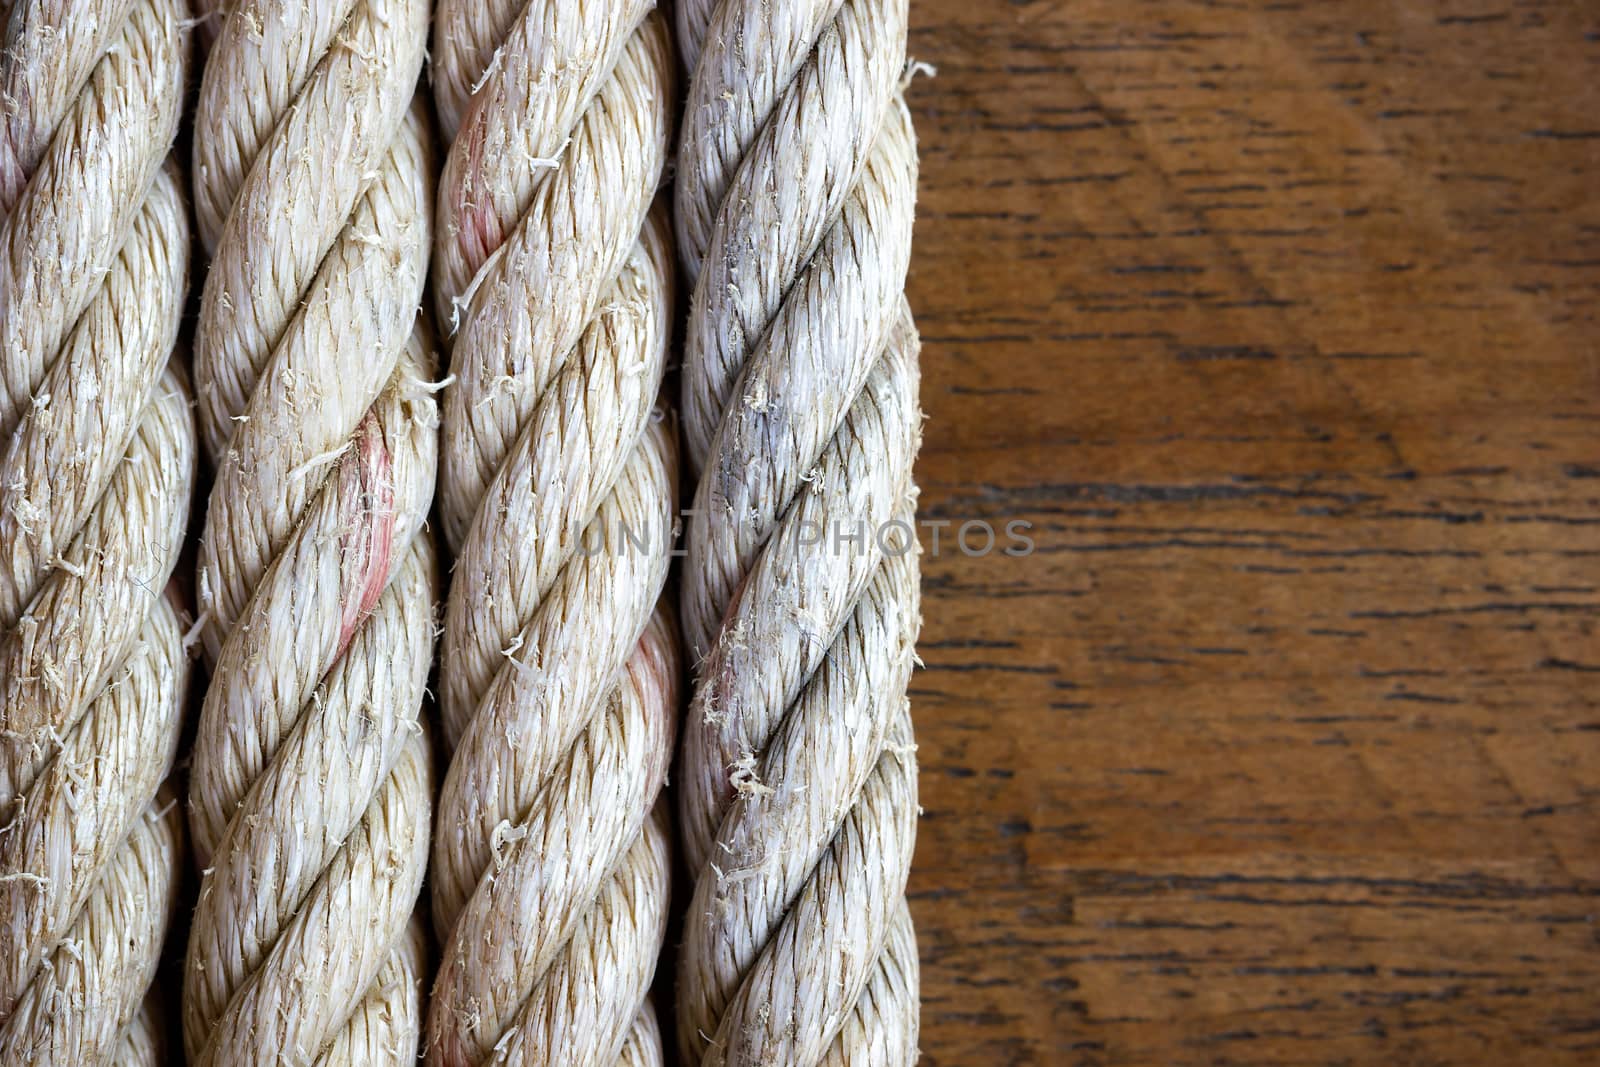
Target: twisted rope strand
96, 473
311, 781
558, 681
796, 190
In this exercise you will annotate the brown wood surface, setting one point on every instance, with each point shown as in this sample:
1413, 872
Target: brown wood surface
1278, 322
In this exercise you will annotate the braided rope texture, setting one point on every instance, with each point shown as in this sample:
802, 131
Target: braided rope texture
97, 461
310, 792
559, 671
796, 188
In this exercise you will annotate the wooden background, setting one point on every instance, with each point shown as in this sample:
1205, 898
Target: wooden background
1278, 322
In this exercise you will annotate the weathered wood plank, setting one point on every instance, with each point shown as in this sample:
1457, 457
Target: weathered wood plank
1279, 323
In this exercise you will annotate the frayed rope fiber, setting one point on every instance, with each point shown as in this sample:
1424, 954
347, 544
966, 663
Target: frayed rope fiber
796, 185
310, 791
97, 461
559, 672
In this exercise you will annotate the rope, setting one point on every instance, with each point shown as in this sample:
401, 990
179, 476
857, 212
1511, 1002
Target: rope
795, 194
558, 678
311, 781
97, 455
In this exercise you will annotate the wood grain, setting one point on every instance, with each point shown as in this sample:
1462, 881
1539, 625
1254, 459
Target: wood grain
1279, 324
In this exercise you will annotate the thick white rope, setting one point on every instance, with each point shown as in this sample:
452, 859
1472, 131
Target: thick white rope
558, 679
311, 781
796, 188
97, 457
